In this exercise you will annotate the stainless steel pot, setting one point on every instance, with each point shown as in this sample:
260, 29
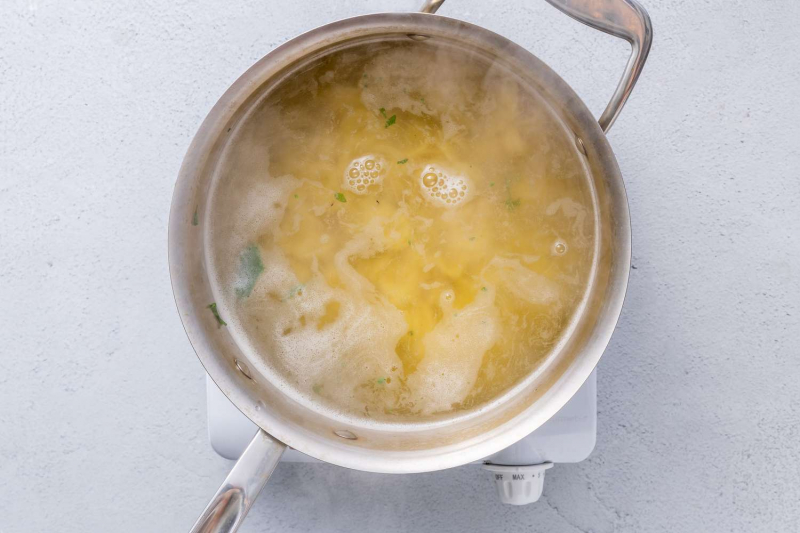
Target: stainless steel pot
430, 445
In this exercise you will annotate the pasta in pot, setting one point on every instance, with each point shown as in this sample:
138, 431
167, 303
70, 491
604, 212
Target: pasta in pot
396, 241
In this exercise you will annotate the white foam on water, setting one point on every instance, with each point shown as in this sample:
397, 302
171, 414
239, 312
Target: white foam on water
443, 187
454, 351
260, 210
340, 358
364, 174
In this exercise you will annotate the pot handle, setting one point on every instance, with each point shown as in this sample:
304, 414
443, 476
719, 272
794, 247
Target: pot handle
625, 19
251, 472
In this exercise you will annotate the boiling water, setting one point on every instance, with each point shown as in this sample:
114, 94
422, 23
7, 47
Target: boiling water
401, 230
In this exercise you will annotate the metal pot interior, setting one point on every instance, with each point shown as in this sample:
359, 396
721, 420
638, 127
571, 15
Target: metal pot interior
433, 443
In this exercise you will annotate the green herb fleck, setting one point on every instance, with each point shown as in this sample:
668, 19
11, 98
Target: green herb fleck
483, 289
403, 161
339, 196
511, 205
294, 291
195, 220
409, 242
383, 112
411, 333
317, 388
381, 381
391, 120
491, 184
250, 267
296, 196
422, 100
220, 322
471, 239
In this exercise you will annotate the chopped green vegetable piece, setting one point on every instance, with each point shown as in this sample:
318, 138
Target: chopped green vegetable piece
422, 100
250, 267
381, 381
220, 322
296, 196
339, 196
409, 242
391, 120
483, 289
317, 388
383, 112
195, 220
512, 204
403, 161
491, 184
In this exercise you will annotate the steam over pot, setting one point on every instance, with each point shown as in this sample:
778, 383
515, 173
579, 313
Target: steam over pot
430, 445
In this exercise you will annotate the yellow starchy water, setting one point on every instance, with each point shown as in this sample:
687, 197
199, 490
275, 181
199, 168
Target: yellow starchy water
401, 230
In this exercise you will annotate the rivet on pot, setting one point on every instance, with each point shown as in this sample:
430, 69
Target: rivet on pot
581, 147
243, 368
349, 435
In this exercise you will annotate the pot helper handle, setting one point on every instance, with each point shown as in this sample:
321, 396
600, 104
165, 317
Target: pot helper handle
625, 19
251, 472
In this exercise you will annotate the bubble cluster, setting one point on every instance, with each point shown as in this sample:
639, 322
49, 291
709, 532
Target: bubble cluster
441, 186
363, 172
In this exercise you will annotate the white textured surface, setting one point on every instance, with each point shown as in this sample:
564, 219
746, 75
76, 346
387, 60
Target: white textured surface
102, 423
